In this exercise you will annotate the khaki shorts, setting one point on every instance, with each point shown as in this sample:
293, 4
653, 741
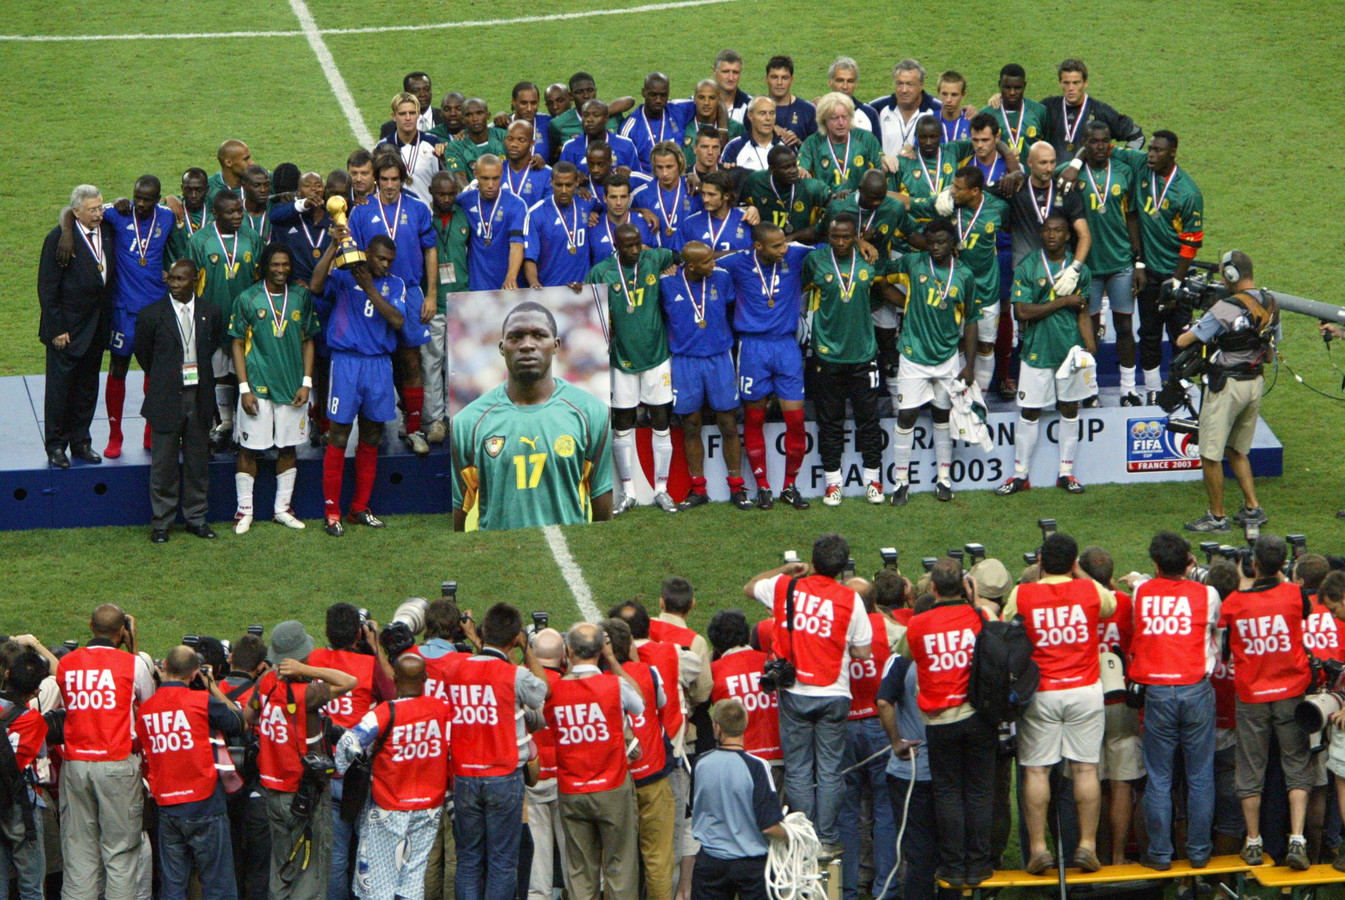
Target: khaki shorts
1228, 418
1122, 750
1066, 724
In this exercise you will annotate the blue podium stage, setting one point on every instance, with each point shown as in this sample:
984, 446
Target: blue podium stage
116, 492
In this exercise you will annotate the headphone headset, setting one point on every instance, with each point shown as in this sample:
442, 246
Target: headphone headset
1228, 269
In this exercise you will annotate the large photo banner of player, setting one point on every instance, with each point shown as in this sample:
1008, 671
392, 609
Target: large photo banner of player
516, 467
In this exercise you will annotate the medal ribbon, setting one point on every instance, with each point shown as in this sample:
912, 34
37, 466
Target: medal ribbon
228, 257
963, 235
1064, 111
847, 281
278, 322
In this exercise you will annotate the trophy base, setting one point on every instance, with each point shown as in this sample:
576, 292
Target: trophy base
350, 258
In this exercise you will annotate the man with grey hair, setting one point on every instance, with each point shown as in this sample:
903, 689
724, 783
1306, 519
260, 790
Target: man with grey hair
908, 103
75, 323
597, 797
727, 71
843, 77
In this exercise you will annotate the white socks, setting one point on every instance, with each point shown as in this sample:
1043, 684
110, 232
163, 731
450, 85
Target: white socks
1024, 442
833, 478
871, 476
984, 370
1127, 380
1153, 379
243, 486
943, 440
623, 451
663, 451
904, 443
226, 398
284, 490
1069, 444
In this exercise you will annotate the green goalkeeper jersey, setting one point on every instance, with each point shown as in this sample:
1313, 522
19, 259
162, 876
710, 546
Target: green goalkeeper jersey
1046, 342
938, 303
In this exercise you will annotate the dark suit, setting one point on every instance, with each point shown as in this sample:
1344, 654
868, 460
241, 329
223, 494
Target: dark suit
179, 415
75, 300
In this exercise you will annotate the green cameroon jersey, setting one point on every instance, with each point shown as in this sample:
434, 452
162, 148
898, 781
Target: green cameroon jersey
180, 238
1106, 196
1046, 342
453, 238
885, 227
639, 337
1021, 128
461, 155
923, 178
227, 265
273, 328
976, 229
842, 318
689, 139
521, 466
214, 186
1171, 211
840, 166
938, 300
792, 210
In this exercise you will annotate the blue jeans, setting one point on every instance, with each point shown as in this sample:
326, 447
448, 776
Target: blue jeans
919, 847
812, 738
203, 841
1120, 291
23, 860
865, 737
1179, 716
487, 824
343, 834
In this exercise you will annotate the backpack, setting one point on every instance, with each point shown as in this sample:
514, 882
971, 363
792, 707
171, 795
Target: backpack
1004, 676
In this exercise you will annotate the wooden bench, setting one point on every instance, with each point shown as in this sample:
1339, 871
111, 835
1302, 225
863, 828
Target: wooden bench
1050, 880
1300, 885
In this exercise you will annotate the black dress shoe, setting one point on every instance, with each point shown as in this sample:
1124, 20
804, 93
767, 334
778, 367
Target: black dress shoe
86, 453
202, 531
158, 536
58, 458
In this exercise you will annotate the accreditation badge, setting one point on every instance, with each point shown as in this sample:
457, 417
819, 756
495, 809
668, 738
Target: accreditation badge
190, 376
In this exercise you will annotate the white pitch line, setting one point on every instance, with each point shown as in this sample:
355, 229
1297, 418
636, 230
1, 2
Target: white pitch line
376, 29
574, 576
339, 88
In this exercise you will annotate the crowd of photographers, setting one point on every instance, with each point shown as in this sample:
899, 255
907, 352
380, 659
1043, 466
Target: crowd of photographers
500, 759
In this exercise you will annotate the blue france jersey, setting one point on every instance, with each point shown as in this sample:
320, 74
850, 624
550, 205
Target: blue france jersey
601, 237
408, 223
645, 132
552, 231
686, 302
138, 286
541, 135
760, 311
717, 234
530, 184
306, 241
799, 117
495, 226
355, 325
672, 207
623, 152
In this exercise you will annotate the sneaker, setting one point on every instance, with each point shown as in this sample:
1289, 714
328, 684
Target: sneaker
827, 852
740, 499
943, 491
764, 499
694, 499
626, 505
1086, 859
288, 519
437, 432
1013, 486
242, 522
1296, 857
1130, 398
1092, 402
665, 502
874, 493
365, 517
792, 496
833, 495
1070, 484
1251, 852
416, 441
1246, 516
1039, 863
1210, 524
334, 526
901, 494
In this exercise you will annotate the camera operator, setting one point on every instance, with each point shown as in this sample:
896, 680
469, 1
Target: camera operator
175, 728
247, 808
22, 850
1331, 595
100, 798
286, 706
409, 740
829, 628
1271, 674
1237, 333
543, 810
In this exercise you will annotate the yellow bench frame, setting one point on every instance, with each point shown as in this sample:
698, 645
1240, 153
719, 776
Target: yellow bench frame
1218, 865
1299, 885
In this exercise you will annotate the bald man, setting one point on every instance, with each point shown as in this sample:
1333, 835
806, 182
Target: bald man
498, 221
524, 172
234, 158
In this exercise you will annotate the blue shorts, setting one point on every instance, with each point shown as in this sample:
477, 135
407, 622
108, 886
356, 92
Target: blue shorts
413, 333
698, 380
361, 386
122, 340
769, 364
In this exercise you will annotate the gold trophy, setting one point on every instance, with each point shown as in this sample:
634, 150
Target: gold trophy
348, 253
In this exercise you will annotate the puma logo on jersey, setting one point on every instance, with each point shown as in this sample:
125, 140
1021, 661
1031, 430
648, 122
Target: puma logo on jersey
531, 442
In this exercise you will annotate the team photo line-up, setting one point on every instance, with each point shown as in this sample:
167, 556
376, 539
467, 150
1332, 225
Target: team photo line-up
907, 251
906, 726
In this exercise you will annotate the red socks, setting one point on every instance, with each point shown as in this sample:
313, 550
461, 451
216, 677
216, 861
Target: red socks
115, 398
413, 398
366, 466
333, 466
754, 442
1004, 346
736, 483
796, 444
698, 486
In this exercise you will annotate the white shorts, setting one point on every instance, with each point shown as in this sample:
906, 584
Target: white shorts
918, 385
222, 362
274, 425
987, 329
652, 387
1065, 724
1040, 389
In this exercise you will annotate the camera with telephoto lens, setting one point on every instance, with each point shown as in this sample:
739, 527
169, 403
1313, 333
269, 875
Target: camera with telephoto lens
928, 562
1048, 527
1201, 573
976, 552
1240, 555
849, 571
1029, 559
318, 769
399, 635
889, 555
777, 674
256, 630
1313, 713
